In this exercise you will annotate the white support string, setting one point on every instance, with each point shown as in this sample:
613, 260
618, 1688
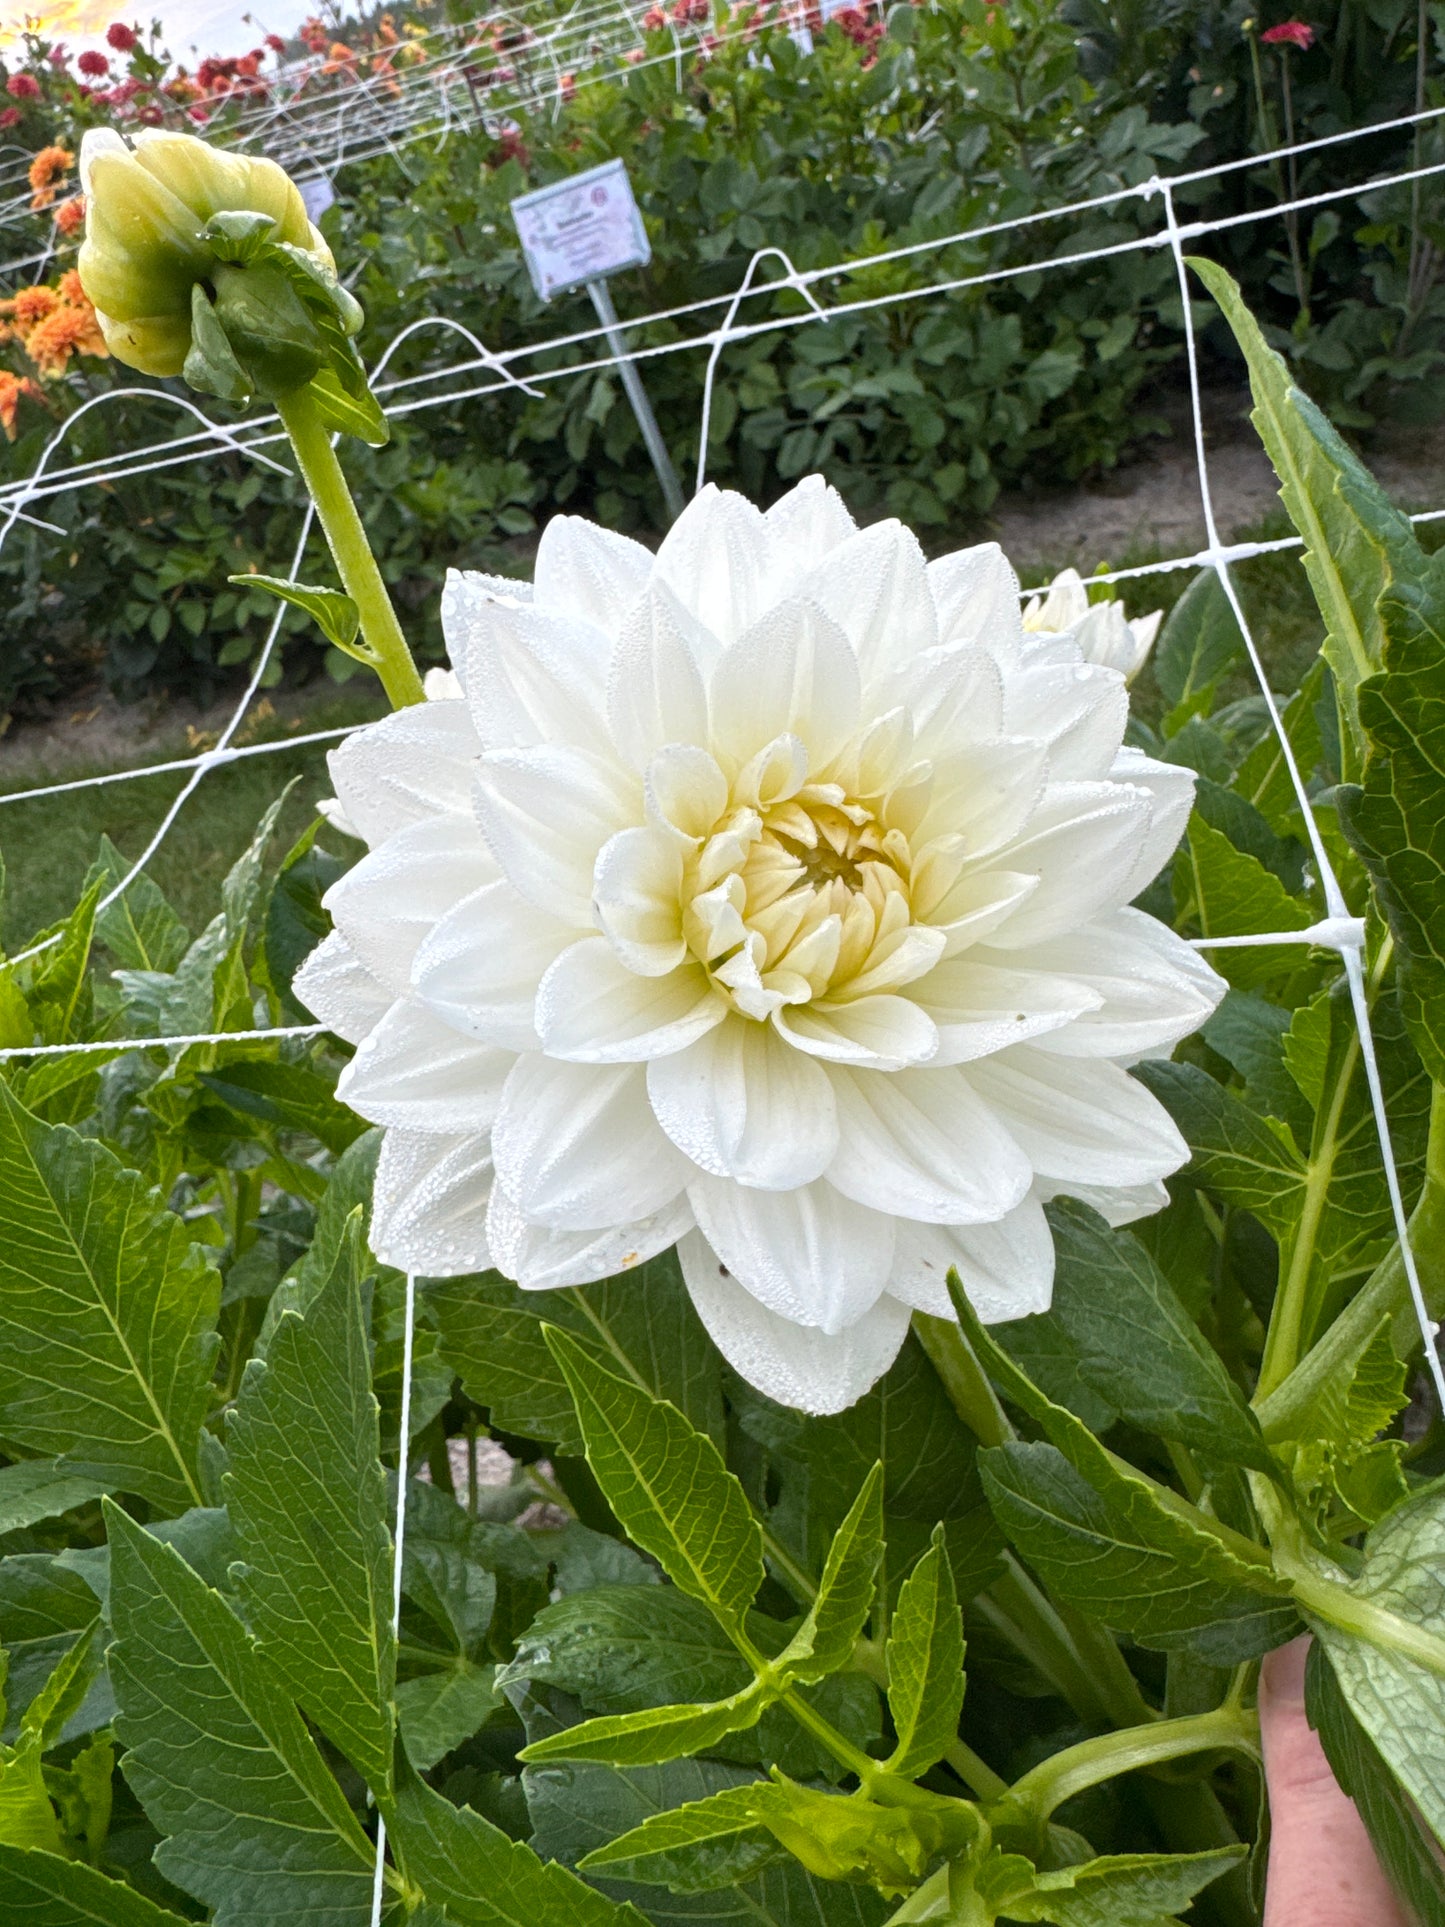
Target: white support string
1347, 933
117, 1046
398, 1546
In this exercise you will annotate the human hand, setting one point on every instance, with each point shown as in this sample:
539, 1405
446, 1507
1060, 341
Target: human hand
1322, 1868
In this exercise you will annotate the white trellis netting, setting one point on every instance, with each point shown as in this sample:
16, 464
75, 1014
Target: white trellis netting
458, 382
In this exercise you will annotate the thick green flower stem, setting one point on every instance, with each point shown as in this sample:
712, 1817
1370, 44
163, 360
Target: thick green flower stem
386, 648
1038, 1794
1285, 1410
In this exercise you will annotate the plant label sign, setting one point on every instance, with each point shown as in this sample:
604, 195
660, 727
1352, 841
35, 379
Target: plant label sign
581, 229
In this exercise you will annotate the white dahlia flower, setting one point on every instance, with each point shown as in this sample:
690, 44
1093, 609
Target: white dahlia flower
766, 896
1104, 634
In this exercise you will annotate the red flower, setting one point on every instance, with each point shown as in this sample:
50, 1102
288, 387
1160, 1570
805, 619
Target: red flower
123, 38
1290, 33
276, 44
11, 117
23, 87
93, 63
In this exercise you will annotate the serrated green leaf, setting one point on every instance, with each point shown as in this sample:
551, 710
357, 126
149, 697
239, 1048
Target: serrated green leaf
1199, 642
1121, 1890
491, 1336
1140, 1349
307, 1498
140, 929
107, 1315
705, 1844
44, 1890
254, 1825
1396, 819
37, 1489
483, 1879
824, 1642
1356, 544
335, 614
1398, 1700
211, 367
667, 1484
925, 1664
288, 1096
439, 1710
656, 1734
1404, 1846
1132, 1564
1230, 893
1250, 1161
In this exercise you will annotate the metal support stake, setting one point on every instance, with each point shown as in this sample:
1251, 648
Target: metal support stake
637, 395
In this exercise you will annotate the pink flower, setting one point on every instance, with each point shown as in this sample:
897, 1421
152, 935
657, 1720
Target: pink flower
1290, 33
121, 37
11, 117
23, 87
93, 63
276, 44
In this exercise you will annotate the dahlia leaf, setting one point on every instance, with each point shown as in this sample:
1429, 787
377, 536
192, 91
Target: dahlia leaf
1398, 1699
140, 929
1396, 818
439, 1710
39, 1889
1140, 1349
667, 1484
491, 1337
1357, 546
107, 1316
925, 1664
307, 1498
1230, 892
656, 1735
255, 1826
482, 1878
1248, 1160
706, 1843
37, 1489
1131, 1563
1120, 1890
1390, 1816
1199, 642
335, 614
824, 1642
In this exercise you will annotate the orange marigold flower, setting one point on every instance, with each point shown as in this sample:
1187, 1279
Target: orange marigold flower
70, 215
68, 331
12, 387
71, 288
45, 172
31, 306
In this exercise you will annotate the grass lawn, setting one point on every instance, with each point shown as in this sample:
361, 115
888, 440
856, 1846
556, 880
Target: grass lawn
48, 845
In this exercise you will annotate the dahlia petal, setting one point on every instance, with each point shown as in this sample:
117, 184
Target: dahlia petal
536, 678
743, 1105
1079, 1120
480, 966
874, 587
388, 902
807, 1369
577, 1148
988, 793
717, 558
339, 991
978, 904
1170, 787
876, 1033
655, 692
1151, 987
792, 673
976, 594
468, 599
416, 1073
546, 812
809, 520
953, 697
980, 1008
637, 895
586, 571
1083, 844
809, 1254
591, 1009
541, 1260
429, 1202
685, 792
923, 1144
1006, 1268
1078, 710
414, 764
1116, 1204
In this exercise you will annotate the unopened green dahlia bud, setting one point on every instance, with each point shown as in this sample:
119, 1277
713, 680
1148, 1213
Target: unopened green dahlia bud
146, 249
